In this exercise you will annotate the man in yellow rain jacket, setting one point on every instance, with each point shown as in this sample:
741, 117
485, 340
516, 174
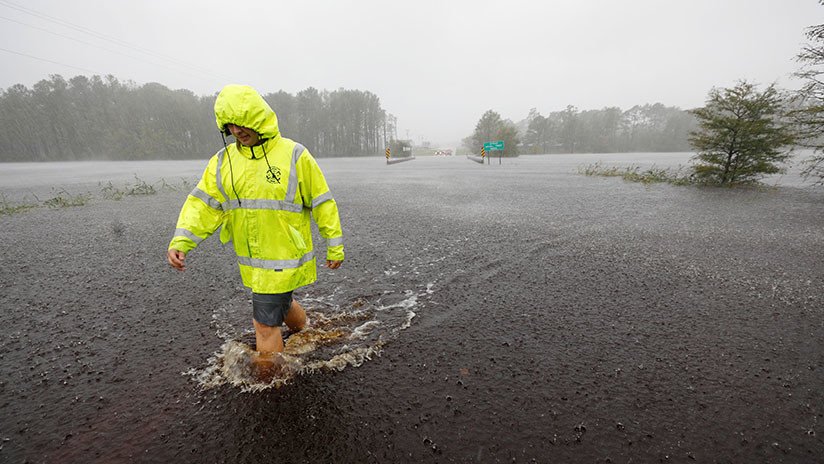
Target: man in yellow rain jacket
262, 190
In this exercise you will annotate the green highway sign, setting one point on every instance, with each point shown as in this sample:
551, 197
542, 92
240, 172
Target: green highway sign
492, 146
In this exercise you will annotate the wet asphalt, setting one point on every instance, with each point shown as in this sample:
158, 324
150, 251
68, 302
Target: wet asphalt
572, 319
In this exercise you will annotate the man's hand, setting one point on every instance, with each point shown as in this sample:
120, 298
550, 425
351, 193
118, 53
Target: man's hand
176, 258
333, 264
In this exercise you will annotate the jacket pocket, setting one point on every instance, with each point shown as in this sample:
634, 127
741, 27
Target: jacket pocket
295, 237
225, 233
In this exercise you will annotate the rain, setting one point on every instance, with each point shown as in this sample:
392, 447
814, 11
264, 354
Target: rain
535, 271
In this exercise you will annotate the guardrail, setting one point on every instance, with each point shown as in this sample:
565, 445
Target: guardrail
399, 160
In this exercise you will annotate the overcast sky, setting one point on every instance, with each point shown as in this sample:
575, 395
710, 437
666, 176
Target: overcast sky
436, 65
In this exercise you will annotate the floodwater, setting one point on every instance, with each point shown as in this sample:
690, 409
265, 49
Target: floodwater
513, 312
37, 180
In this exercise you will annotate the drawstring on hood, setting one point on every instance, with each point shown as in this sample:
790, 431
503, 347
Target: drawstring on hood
231, 171
266, 158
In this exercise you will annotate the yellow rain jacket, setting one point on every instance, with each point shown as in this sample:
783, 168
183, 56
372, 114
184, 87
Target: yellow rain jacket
264, 197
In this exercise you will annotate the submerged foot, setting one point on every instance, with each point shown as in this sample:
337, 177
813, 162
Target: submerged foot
267, 366
286, 331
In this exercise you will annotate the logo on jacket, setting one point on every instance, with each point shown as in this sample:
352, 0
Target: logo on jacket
273, 175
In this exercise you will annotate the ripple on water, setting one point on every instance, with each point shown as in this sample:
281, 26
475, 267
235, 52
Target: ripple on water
335, 337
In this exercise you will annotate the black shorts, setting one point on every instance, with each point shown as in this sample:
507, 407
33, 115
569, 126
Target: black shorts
271, 308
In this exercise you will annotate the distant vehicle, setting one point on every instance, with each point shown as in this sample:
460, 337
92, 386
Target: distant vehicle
443, 152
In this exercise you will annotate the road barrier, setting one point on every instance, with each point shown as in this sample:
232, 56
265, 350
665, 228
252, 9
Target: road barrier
399, 160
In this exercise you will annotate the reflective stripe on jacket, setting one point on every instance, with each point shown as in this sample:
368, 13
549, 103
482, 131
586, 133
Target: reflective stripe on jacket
264, 197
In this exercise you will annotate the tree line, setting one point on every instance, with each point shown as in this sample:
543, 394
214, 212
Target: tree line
338, 123
642, 128
96, 117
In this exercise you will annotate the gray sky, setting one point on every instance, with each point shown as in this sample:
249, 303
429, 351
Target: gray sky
436, 65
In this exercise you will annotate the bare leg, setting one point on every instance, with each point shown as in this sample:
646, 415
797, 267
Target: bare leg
296, 319
270, 342
267, 362
269, 339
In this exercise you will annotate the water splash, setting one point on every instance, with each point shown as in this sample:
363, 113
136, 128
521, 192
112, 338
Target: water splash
334, 338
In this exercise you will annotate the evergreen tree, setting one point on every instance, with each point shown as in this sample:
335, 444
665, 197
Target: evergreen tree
486, 129
741, 136
539, 132
570, 123
508, 133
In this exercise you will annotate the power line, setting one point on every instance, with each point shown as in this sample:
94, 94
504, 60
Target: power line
98, 46
49, 61
114, 40
99, 35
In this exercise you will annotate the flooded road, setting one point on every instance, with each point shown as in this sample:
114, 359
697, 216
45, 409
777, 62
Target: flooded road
503, 313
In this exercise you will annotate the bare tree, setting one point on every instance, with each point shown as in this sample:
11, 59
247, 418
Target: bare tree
809, 118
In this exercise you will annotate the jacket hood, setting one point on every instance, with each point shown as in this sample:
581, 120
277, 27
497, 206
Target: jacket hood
243, 106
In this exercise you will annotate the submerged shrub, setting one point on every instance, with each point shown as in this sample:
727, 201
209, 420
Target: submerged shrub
110, 192
185, 185
8, 208
64, 199
635, 174
140, 188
